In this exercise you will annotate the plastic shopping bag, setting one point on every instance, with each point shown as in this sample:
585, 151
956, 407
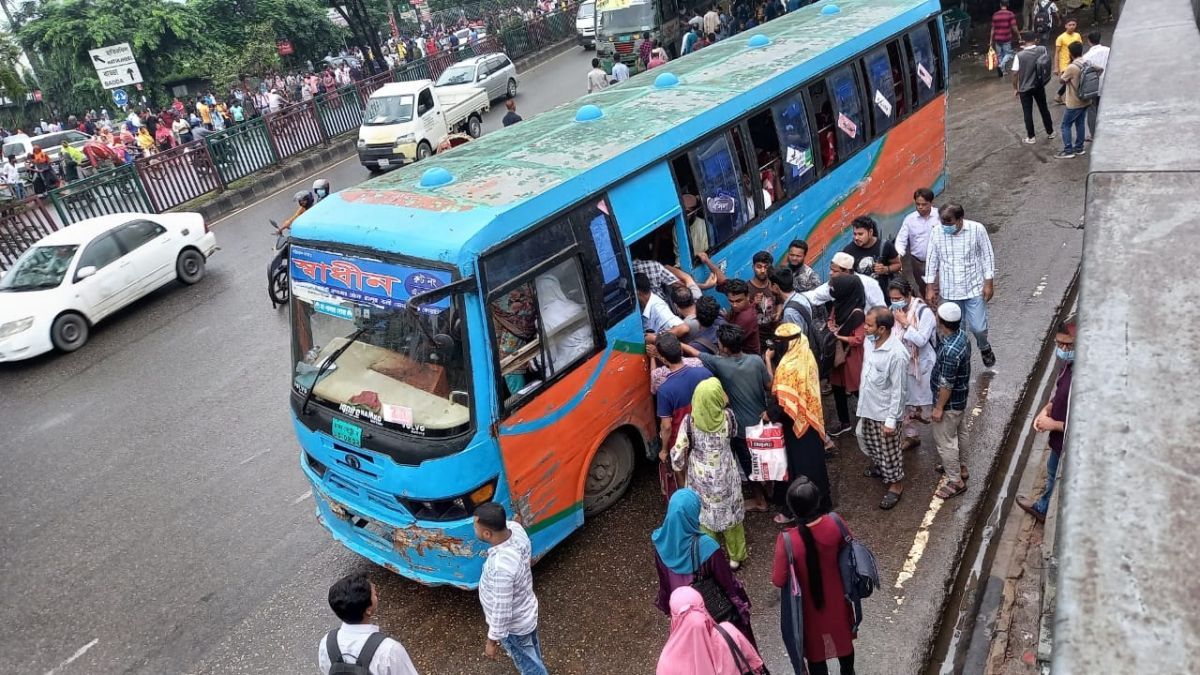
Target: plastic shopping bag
768, 458
991, 60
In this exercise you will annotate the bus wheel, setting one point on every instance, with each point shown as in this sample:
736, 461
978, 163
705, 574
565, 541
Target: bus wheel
609, 475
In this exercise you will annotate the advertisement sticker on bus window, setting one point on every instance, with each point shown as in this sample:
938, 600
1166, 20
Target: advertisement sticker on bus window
882, 102
721, 204
397, 414
847, 125
925, 76
361, 280
347, 433
334, 309
800, 158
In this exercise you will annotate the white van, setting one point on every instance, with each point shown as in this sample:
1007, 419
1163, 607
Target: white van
585, 24
406, 121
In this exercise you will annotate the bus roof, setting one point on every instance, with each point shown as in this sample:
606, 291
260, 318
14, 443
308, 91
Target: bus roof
552, 161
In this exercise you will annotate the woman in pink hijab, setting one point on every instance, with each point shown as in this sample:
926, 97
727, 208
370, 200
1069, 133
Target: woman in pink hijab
699, 646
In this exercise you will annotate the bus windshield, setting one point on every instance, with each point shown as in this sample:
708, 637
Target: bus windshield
631, 19
406, 372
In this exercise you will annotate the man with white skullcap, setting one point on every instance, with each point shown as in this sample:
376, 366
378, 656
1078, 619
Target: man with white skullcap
843, 263
950, 381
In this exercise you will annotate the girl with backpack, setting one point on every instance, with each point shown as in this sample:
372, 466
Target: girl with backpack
828, 617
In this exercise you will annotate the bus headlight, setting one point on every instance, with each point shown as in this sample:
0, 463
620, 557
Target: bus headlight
455, 508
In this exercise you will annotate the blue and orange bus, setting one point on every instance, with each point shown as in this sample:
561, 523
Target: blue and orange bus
466, 329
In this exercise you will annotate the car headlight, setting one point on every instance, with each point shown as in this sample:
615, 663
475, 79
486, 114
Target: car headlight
14, 327
406, 138
362, 143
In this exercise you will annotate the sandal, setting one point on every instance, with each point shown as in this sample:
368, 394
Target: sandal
949, 490
873, 472
890, 499
942, 470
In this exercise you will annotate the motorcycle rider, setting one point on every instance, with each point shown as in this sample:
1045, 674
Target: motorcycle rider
320, 189
304, 199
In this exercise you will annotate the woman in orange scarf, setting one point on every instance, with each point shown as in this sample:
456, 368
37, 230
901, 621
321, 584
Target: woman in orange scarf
797, 407
43, 173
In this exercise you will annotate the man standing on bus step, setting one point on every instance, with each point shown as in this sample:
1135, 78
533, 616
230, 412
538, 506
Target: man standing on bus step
353, 599
747, 383
506, 590
1029, 85
960, 269
597, 79
657, 317
913, 237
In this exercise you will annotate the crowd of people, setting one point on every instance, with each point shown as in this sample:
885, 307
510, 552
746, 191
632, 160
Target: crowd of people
893, 329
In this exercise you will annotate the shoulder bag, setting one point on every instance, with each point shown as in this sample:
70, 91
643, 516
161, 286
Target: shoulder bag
718, 604
860, 573
739, 659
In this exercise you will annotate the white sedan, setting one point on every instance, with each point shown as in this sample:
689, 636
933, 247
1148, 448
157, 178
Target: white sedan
71, 279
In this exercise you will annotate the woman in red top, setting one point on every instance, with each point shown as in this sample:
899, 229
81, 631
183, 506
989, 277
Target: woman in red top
828, 616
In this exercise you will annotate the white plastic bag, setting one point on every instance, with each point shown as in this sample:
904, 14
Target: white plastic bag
768, 458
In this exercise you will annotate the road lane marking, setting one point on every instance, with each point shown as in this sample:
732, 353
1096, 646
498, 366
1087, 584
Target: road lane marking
302, 497
253, 457
918, 546
74, 657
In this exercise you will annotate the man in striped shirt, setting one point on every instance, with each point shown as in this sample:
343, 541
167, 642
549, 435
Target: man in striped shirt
960, 268
506, 590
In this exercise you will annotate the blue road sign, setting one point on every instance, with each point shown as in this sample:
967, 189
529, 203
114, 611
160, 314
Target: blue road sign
120, 97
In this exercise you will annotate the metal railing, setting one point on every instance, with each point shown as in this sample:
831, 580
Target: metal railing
172, 178
22, 224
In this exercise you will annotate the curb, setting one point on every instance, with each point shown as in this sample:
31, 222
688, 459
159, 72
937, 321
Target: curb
271, 180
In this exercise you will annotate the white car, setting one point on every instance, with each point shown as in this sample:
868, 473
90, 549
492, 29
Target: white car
73, 278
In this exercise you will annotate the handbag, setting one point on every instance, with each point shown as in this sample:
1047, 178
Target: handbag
718, 604
991, 60
840, 350
791, 607
859, 571
739, 659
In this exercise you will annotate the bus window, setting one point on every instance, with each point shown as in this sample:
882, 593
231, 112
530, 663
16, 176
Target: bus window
563, 313
699, 230
753, 206
721, 192
595, 228
791, 122
514, 260
766, 156
898, 79
823, 113
847, 104
881, 90
926, 74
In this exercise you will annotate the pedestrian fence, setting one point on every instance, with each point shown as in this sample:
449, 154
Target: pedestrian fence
174, 177
22, 224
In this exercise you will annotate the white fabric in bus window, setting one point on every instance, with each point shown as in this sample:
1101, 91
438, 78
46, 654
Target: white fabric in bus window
565, 321
791, 121
926, 66
852, 135
720, 190
882, 90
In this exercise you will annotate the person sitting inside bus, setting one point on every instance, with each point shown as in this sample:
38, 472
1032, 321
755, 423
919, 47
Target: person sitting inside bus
566, 324
515, 319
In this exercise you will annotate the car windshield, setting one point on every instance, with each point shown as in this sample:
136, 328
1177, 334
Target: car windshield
406, 372
631, 19
457, 75
586, 11
39, 267
388, 110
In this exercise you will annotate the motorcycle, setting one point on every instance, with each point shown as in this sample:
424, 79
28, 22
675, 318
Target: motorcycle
277, 271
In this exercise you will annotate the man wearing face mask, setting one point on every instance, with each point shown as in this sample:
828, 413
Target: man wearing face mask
320, 189
959, 269
881, 397
1053, 417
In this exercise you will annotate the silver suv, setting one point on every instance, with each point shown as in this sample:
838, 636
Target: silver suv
493, 72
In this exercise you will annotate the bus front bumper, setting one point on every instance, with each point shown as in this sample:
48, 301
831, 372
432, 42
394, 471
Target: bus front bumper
448, 555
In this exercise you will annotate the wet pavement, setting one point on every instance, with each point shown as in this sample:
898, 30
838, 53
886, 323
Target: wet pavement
156, 515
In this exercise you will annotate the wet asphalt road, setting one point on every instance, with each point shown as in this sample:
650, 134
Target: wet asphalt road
155, 519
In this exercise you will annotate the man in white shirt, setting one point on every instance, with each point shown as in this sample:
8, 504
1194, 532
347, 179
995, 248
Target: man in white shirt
712, 21
881, 397
960, 268
620, 72
597, 79
353, 599
913, 237
1096, 57
843, 263
506, 590
657, 316
11, 176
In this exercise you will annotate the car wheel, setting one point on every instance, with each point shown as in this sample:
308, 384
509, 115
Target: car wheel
609, 475
512, 88
474, 127
423, 150
69, 332
189, 266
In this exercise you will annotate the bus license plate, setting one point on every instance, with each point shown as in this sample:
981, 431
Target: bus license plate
347, 433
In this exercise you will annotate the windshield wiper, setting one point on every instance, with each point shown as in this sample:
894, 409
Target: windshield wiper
334, 357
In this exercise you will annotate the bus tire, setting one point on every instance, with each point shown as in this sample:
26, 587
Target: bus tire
609, 474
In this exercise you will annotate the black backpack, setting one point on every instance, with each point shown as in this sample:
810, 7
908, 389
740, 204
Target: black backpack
362, 664
1043, 20
1042, 66
816, 341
